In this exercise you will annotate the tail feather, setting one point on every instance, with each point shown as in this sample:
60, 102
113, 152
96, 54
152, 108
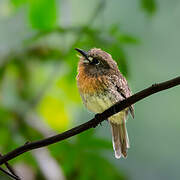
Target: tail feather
120, 139
116, 140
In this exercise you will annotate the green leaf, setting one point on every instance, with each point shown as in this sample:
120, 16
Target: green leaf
121, 37
42, 14
149, 6
18, 3
125, 38
114, 28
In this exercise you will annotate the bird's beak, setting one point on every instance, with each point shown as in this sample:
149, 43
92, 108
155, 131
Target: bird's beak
83, 53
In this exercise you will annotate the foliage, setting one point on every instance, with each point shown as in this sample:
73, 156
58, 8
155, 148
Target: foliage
149, 6
83, 158
40, 9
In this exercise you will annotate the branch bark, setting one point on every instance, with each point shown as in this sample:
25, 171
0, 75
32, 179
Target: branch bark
155, 88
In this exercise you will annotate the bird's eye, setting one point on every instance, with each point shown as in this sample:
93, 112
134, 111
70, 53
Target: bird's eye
95, 61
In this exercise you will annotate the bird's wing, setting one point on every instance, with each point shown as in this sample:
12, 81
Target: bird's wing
122, 87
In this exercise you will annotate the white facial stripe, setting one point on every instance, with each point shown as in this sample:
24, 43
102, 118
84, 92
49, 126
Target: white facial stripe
90, 58
85, 61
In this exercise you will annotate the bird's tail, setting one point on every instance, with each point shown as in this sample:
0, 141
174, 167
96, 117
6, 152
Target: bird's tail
120, 139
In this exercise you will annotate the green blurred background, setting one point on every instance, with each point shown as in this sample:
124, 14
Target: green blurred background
39, 97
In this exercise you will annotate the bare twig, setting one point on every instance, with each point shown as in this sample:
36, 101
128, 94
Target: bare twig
93, 122
11, 170
9, 174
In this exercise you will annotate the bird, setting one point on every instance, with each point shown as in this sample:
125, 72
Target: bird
101, 85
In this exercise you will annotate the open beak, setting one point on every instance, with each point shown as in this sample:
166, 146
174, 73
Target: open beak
83, 53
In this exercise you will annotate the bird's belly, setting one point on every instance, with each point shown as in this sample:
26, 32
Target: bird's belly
98, 103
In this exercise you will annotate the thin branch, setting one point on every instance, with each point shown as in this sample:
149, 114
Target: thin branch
9, 174
11, 170
155, 88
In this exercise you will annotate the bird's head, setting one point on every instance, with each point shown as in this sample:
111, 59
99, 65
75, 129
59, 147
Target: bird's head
96, 62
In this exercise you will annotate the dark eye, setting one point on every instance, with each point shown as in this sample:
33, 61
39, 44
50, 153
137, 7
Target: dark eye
95, 61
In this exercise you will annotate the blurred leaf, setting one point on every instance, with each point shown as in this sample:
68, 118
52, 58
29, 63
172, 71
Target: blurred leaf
69, 88
149, 6
114, 28
18, 3
54, 113
124, 38
4, 123
42, 14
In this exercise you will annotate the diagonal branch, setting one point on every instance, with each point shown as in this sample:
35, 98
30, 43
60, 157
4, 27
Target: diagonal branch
155, 88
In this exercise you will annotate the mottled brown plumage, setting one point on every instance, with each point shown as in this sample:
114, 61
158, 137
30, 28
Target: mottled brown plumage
101, 85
